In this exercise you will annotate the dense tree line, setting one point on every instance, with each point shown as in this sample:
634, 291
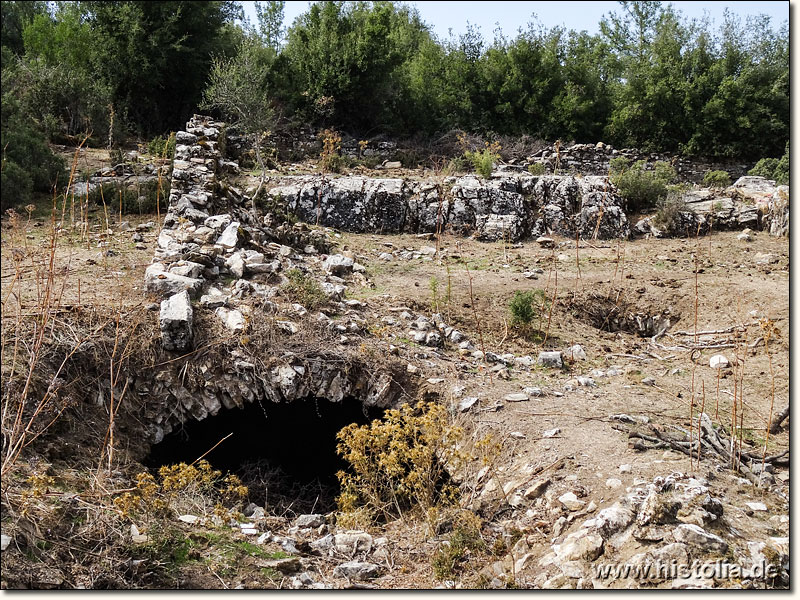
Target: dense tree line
650, 78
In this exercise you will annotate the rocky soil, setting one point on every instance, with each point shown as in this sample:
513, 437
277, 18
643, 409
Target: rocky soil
596, 406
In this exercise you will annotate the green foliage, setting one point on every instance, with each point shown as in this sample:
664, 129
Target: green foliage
716, 179
639, 187
161, 146
483, 161
773, 168
304, 289
136, 200
536, 169
28, 164
156, 56
438, 300
650, 78
456, 165
270, 23
448, 560
347, 62
667, 216
764, 168
524, 307
238, 88
14, 16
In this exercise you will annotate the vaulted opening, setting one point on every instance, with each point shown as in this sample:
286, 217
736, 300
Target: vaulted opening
284, 452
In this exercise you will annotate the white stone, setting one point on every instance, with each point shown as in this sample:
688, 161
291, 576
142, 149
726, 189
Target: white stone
613, 519
756, 506
187, 269
613, 483
551, 433
467, 403
516, 397
358, 570
580, 545
287, 326
700, 538
550, 359
175, 321
338, 264
158, 281
571, 502
232, 319
352, 542
536, 489
235, 265
5, 540
190, 519
576, 352
719, 361
230, 236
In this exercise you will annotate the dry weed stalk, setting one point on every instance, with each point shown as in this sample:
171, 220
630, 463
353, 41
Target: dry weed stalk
477, 322
696, 314
552, 304
768, 329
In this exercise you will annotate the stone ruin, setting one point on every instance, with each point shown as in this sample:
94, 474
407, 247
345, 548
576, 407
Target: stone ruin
216, 253
509, 207
595, 159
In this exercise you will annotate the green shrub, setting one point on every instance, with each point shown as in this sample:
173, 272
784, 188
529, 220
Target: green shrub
667, 216
465, 538
483, 161
524, 307
716, 179
28, 164
639, 187
141, 200
16, 185
776, 169
536, 169
304, 290
456, 165
159, 144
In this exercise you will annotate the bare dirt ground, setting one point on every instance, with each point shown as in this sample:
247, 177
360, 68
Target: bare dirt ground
656, 377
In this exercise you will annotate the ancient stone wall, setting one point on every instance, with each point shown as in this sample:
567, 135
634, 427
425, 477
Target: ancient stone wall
510, 207
594, 159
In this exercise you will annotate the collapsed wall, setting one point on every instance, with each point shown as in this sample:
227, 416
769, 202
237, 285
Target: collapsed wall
595, 159
215, 256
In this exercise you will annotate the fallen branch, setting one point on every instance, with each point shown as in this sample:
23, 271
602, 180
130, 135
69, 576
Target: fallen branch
709, 438
775, 426
715, 331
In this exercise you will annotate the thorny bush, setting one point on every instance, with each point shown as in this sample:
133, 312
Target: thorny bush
400, 462
183, 488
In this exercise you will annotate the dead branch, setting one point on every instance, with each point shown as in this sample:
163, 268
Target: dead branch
775, 426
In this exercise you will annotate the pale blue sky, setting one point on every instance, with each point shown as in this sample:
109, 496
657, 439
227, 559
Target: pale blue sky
578, 15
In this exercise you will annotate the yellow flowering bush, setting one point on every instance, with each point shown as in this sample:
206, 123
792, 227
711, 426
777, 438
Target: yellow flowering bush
399, 462
183, 488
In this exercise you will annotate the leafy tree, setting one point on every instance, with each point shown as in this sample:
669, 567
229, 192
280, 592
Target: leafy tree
156, 56
344, 58
270, 23
238, 89
57, 84
14, 16
28, 164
